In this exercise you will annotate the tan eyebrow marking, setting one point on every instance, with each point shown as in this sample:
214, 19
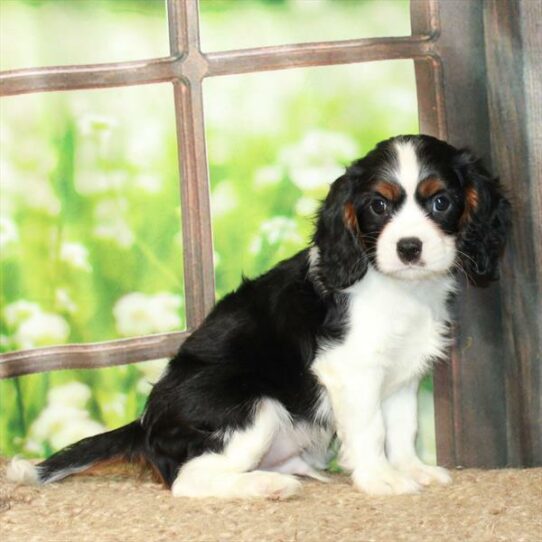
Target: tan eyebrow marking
430, 186
390, 191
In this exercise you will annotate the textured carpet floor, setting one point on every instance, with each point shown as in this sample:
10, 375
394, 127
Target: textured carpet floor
117, 506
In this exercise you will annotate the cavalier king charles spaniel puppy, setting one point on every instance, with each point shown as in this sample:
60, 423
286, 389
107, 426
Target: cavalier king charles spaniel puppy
331, 342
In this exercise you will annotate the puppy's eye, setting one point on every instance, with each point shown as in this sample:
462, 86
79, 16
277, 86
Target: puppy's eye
379, 206
441, 203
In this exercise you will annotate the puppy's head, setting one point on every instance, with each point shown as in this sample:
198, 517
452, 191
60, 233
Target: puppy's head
413, 208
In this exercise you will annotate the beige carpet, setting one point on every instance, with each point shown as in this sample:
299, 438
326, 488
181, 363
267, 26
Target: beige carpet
118, 506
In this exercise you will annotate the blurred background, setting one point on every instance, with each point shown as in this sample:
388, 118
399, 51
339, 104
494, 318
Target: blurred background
90, 239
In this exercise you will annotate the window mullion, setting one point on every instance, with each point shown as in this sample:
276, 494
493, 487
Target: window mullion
196, 209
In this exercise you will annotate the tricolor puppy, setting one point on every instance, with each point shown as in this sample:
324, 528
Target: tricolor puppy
333, 341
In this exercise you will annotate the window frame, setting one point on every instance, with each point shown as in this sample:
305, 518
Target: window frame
186, 68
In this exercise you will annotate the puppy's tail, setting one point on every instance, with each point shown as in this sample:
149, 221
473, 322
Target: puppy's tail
125, 443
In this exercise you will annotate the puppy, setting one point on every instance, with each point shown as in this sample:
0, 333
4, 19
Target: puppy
333, 341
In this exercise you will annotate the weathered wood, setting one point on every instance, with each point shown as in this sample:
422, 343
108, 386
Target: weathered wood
477, 364
118, 74
195, 65
424, 19
487, 397
92, 355
199, 279
513, 37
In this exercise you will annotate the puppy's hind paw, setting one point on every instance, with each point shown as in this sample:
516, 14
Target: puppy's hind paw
272, 485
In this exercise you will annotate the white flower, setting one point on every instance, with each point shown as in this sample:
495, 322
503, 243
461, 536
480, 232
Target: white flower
74, 430
8, 233
141, 314
21, 189
64, 301
37, 193
110, 223
117, 405
42, 329
306, 206
144, 147
149, 183
152, 370
61, 426
278, 229
267, 176
73, 394
64, 420
318, 159
21, 310
76, 255
223, 199
34, 447
89, 182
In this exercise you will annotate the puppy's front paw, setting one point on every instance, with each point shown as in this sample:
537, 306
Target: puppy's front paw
426, 474
384, 480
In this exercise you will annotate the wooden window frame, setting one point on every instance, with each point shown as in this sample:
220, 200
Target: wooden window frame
483, 417
186, 67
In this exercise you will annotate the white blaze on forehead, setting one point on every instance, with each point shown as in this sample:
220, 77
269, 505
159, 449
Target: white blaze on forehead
411, 220
408, 166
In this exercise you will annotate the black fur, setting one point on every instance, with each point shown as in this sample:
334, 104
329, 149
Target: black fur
260, 340
342, 258
481, 242
126, 442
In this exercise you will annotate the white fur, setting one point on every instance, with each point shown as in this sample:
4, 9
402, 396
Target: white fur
257, 461
397, 328
408, 167
22, 471
438, 248
401, 417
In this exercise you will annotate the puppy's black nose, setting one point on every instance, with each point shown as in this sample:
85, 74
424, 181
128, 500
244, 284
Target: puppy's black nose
409, 249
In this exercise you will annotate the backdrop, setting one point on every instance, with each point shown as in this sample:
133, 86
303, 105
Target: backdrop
90, 239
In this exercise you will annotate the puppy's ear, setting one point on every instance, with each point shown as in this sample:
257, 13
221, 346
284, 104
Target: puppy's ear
485, 222
341, 260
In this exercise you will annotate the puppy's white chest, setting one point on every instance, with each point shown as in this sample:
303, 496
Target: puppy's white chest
395, 327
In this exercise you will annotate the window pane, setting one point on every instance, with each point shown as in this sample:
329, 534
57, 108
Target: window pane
91, 243
59, 32
277, 139
41, 413
257, 23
